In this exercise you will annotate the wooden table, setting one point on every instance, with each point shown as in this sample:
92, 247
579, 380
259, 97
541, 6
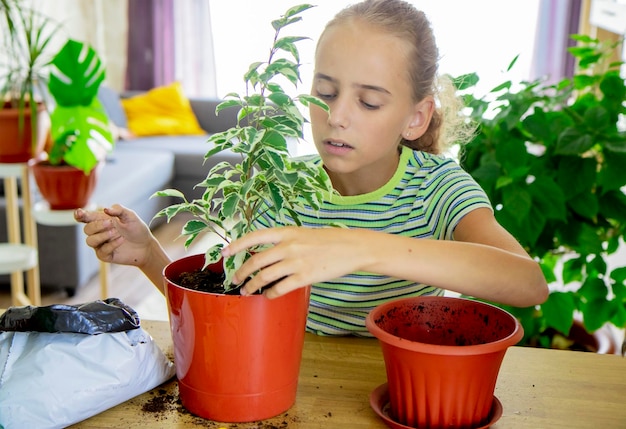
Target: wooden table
538, 389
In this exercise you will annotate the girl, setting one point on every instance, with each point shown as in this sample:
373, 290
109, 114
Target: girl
417, 223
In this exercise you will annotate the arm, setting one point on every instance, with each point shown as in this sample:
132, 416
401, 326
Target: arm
484, 261
119, 236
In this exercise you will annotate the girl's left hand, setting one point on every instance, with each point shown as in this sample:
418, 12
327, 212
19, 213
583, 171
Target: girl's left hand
299, 257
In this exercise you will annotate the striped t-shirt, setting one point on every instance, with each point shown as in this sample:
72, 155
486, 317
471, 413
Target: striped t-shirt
426, 198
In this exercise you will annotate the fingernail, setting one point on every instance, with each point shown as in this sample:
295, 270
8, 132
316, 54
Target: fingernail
226, 251
243, 291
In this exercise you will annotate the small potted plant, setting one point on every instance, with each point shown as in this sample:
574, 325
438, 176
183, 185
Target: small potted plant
238, 357
551, 159
80, 131
26, 37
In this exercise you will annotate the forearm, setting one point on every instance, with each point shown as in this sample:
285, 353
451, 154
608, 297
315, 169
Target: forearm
472, 269
156, 260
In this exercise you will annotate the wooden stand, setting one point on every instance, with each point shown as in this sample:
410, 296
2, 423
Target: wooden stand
18, 257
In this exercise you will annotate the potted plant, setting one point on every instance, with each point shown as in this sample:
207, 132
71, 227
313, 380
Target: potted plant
26, 38
442, 357
238, 357
80, 130
551, 159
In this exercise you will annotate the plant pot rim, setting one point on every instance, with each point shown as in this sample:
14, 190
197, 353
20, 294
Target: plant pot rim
170, 283
450, 350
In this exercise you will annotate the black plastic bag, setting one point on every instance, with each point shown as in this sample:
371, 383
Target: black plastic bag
96, 317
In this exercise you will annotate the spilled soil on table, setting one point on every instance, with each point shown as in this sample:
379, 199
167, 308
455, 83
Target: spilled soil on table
163, 403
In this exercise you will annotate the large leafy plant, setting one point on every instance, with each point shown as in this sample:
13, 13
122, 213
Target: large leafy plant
80, 128
551, 158
266, 178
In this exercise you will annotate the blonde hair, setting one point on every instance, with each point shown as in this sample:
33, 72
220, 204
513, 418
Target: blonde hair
401, 19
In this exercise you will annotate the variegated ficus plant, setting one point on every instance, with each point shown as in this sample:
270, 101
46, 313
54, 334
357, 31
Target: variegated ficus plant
266, 178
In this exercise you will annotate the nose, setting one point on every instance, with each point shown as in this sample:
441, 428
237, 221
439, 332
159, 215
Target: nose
339, 114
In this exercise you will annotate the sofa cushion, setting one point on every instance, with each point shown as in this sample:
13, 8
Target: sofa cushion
189, 164
164, 110
139, 172
110, 99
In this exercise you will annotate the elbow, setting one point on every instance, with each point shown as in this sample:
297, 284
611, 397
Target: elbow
538, 290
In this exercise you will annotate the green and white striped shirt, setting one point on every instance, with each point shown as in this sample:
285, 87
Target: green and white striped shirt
426, 198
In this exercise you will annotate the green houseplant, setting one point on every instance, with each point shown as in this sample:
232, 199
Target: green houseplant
80, 131
215, 334
551, 159
26, 38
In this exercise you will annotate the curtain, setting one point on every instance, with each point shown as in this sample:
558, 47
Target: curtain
150, 44
557, 20
171, 41
195, 59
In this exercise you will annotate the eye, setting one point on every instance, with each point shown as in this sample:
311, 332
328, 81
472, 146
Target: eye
370, 106
325, 96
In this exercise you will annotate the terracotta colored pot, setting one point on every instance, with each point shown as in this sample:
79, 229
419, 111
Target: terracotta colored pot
16, 145
442, 357
237, 357
62, 186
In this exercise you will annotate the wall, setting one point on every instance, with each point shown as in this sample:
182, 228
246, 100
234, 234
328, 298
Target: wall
102, 23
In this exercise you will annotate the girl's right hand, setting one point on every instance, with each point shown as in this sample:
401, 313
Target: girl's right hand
117, 235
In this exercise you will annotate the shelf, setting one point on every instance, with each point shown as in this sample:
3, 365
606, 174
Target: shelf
17, 257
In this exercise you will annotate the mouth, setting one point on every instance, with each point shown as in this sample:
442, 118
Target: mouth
338, 144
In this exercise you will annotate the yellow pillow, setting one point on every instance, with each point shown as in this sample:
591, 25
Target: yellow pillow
161, 111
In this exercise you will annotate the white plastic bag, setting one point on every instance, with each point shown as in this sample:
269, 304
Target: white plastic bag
53, 380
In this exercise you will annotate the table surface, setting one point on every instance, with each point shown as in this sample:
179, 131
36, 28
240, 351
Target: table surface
538, 388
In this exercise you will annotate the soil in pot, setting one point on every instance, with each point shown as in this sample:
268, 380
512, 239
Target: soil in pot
206, 281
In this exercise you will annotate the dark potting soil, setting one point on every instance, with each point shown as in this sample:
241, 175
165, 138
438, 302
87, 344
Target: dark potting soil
205, 281
208, 281
164, 403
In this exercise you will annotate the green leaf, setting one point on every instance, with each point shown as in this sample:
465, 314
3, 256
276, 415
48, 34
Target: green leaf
517, 201
229, 207
558, 311
575, 175
612, 176
79, 124
75, 75
572, 270
573, 142
548, 197
585, 204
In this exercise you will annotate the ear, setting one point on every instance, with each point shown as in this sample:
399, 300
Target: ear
420, 119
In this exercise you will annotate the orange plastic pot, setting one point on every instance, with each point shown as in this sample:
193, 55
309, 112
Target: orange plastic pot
64, 187
442, 357
237, 357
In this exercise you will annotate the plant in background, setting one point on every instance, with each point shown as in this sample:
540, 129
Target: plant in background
266, 179
80, 129
551, 158
26, 37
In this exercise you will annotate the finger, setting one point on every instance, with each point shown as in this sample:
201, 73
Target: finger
288, 284
257, 263
99, 226
262, 279
86, 216
106, 252
98, 238
117, 210
255, 238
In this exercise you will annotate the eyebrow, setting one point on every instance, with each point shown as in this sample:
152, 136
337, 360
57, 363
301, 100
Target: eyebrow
363, 86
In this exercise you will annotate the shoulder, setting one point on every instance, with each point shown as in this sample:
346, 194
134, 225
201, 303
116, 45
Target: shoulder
431, 167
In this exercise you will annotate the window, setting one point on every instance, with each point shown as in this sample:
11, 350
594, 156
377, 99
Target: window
480, 36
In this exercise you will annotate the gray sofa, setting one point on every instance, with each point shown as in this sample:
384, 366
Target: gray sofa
133, 172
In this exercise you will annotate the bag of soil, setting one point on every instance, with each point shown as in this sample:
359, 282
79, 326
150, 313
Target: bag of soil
62, 364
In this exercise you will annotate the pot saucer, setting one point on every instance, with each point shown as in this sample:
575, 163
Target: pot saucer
379, 401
